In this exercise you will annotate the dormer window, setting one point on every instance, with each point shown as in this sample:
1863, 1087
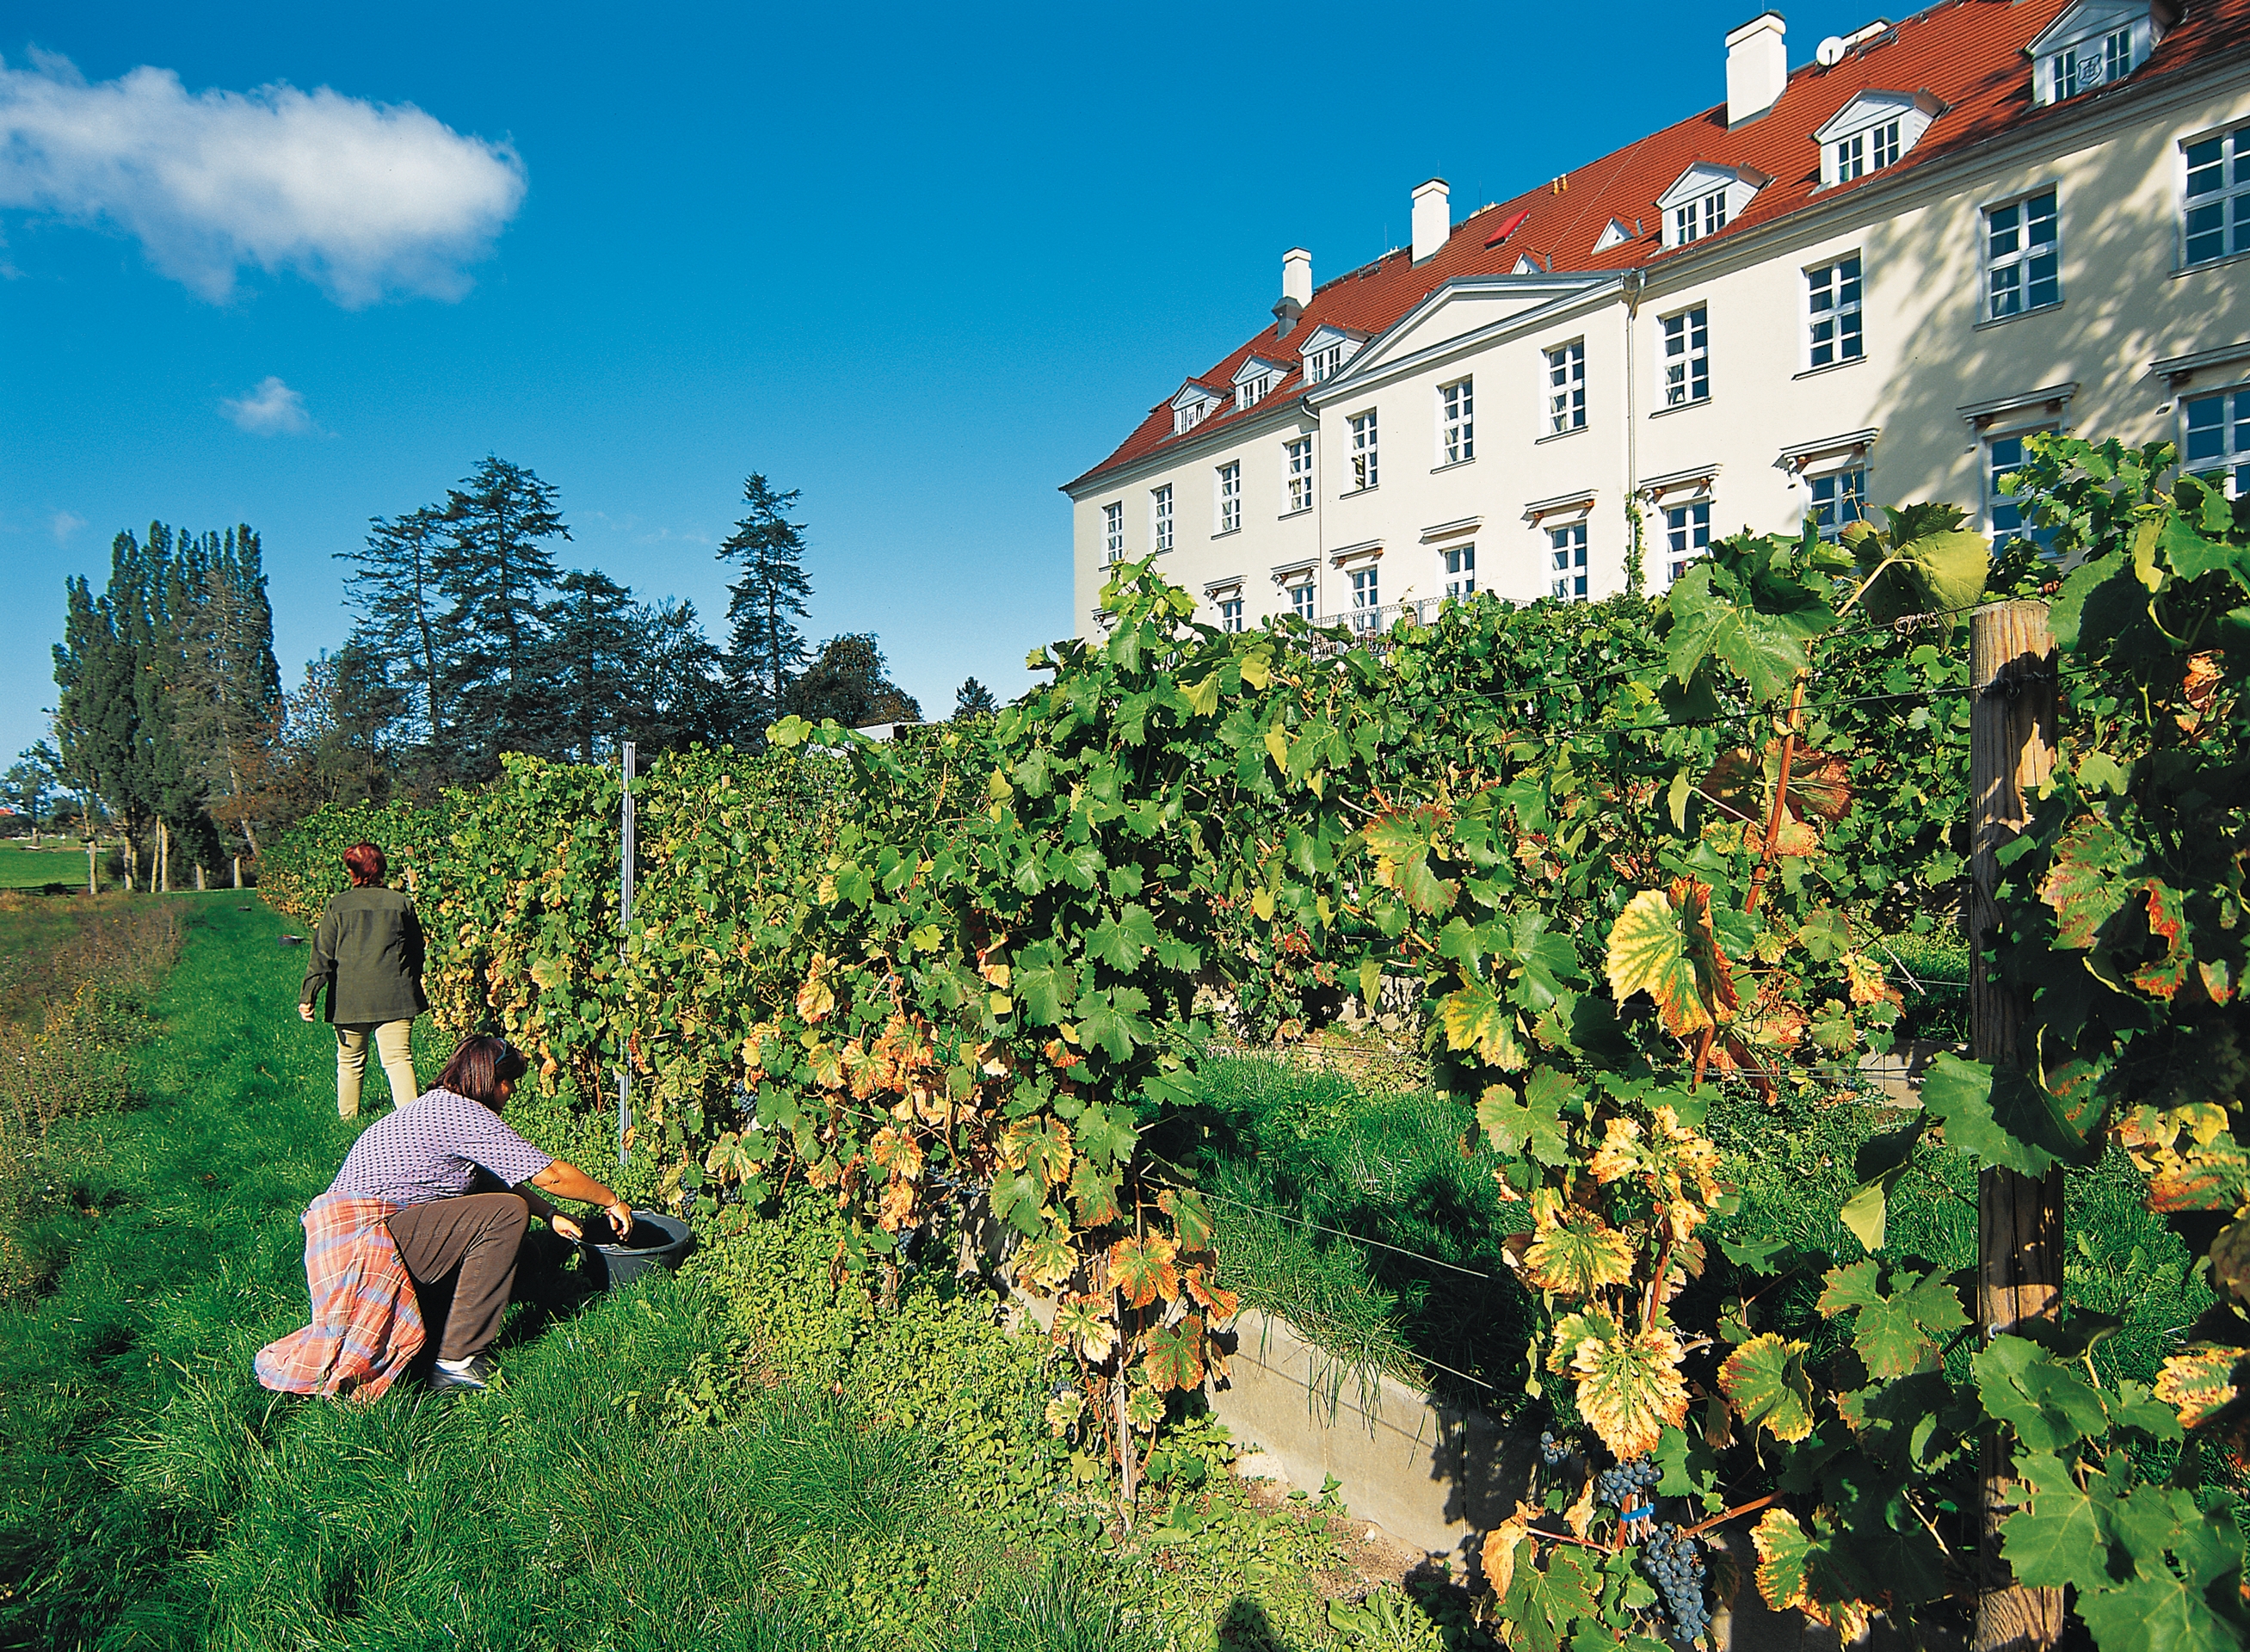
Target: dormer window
1192, 405
2096, 43
1615, 235
1871, 133
1252, 381
1705, 199
1326, 350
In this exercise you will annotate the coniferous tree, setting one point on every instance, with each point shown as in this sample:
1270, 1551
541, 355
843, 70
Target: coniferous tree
587, 675
765, 648
973, 699
683, 695
850, 681
397, 585
496, 565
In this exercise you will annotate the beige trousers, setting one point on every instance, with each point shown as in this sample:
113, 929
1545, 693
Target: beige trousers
351, 1062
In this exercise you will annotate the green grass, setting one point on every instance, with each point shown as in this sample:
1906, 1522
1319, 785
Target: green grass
1362, 1221
23, 867
740, 1457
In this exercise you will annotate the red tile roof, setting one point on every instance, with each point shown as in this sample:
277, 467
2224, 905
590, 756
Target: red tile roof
1969, 53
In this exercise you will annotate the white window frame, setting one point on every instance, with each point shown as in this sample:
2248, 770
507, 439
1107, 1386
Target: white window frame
1566, 562
1367, 597
2232, 454
1457, 422
1160, 518
1324, 364
1230, 612
1226, 496
1297, 475
1251, 390
2226, 198
2019, 263
1839, 499
1302, 599
1703, 217
1835, 311
1687, 535
1566, 387
1459, 562
1365, 471
1685, 358
1113, 531
1997, 502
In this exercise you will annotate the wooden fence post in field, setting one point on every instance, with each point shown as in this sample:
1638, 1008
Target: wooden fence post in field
2012, 732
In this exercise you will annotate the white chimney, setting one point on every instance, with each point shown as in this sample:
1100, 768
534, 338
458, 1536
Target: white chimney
1433, 217
1297, 277
1758, 67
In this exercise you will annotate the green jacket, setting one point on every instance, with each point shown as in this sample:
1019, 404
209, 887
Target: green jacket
368, 953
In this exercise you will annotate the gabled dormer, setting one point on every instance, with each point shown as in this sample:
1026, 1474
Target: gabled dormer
1705, 199
1870, 132
2095, 43
1253, 378
1614, 234
1327, 348
1195, 403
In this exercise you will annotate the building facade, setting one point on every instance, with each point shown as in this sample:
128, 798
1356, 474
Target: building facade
1862, 282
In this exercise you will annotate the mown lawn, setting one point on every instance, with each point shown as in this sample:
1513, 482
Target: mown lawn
23, 867
743, 1457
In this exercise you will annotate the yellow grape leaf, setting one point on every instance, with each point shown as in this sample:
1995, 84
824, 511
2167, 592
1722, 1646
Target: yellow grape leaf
1257, 667
1663, 945
1080, 1325
1475, 1019
1578, 1257
1202, 699
1630, 1388
1792, 1572
1142, 1270
1277, 746
1764, 1381
2197, 1383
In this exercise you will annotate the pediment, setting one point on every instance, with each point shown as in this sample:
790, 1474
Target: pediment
1256, 367
2084, 21
1874, 108
1613, 234
1192, 393
1704, 177
1466, 305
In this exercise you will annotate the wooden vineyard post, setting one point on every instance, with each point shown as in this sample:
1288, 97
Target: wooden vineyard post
628, 752
2012, 732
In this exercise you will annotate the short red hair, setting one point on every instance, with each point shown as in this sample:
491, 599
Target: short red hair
364, 862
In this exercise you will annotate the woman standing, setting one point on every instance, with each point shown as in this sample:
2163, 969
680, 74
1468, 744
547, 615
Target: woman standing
367, 954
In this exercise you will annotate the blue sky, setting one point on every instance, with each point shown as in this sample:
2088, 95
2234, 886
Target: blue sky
922, 265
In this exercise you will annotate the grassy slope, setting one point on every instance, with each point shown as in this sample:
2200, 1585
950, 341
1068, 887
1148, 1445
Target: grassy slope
151, 1495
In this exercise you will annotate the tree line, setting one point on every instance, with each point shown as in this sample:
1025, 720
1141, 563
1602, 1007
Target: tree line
469, 638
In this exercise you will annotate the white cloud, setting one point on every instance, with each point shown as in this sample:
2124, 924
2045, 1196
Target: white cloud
273, 409
365, 199
64, 524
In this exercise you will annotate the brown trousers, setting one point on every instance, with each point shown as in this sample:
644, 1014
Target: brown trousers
479, 1235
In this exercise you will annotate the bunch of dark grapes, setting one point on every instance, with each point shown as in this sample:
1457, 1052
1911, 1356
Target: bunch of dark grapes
1623, 1485
1674, 1564
1551, 1450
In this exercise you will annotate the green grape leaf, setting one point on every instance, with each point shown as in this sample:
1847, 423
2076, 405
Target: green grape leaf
2047, 1404
1532, 1125
1122, 942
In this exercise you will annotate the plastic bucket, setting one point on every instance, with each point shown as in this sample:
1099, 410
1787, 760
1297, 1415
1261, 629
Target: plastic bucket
657, 1241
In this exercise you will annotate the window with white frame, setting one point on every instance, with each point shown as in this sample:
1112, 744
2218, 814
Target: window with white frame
1457, 422
1113, 531
1687, 357
1839, 499
2006, 513
1300, 467
1229, 497
2092, 63
2217, 202
1300, 601
2217, 438
1566, 551
1366, 598
1251, 390
1363, 450
1324, 363
1461, 571
1230, 612
1832, 303
2023, 256
1160, 517
1700, 218
1866, 152
1566, 387
1687, 535
1187, 417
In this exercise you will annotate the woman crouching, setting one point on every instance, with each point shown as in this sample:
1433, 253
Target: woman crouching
406, 1210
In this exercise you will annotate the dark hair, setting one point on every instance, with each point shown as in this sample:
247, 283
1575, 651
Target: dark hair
364, 862
480, 1065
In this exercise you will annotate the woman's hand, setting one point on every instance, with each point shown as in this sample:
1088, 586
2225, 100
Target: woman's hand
621, 1218
304, 1012
566, 1227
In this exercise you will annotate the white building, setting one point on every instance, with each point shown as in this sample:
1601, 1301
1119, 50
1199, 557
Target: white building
1865, 280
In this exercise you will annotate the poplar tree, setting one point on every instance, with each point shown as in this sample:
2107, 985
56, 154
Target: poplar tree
765, 648
227, 701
